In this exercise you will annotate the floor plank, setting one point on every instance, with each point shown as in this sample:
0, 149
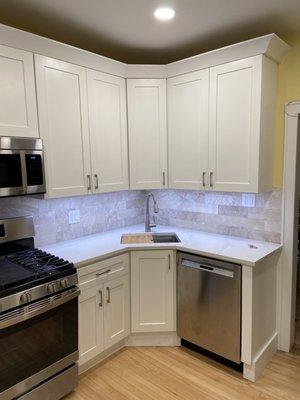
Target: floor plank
175, 373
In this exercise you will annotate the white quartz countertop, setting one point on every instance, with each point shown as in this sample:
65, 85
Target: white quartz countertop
89, 249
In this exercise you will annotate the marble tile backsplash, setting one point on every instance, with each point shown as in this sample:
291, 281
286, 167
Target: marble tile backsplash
98, 213
217, 212
222, 213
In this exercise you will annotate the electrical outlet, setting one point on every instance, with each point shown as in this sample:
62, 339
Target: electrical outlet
74, 216
248, 200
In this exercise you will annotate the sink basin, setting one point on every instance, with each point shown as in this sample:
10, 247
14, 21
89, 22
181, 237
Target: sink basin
165, 238
149, 237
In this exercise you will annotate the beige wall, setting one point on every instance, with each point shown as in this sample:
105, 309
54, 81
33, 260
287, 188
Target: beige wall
288, 90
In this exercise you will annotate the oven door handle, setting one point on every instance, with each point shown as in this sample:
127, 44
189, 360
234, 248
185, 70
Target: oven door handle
39, 307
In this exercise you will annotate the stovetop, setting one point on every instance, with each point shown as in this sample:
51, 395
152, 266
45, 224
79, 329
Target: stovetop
31, 267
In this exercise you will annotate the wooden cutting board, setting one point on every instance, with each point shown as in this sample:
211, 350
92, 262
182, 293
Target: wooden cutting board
132, 238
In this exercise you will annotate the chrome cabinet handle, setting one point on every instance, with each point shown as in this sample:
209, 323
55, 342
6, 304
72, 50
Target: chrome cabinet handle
203, 178
96, 181
108, 294
89, 186
102, 273
164, 179
101, 298
169, 259
211, 179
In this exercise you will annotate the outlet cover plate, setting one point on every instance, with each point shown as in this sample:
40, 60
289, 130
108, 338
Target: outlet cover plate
74, 216
248, 200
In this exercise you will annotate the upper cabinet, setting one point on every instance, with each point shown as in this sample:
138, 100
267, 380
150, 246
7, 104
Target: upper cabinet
18, 111
188, 130
147, 133
63, 117
108, 131
242, 114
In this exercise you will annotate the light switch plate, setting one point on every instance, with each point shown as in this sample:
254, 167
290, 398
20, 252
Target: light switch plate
74, 216
248, 200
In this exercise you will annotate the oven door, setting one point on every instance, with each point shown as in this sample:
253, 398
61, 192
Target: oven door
37, 341
12, 178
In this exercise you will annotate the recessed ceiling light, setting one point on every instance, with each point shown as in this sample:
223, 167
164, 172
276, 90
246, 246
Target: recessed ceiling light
164, 13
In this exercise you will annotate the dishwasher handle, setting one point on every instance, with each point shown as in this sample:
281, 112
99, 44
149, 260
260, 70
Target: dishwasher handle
207, 268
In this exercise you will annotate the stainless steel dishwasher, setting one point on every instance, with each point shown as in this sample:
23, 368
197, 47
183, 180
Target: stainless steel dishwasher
209, 304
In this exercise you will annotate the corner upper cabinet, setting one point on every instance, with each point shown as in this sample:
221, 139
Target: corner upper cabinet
147, 133
63, 117
188, 130
18, 111
108, 131
242, 114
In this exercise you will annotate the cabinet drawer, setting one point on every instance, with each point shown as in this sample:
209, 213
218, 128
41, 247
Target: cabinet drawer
104, 271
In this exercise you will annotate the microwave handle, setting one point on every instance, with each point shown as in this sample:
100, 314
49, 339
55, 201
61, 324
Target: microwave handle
7, 320
24, 171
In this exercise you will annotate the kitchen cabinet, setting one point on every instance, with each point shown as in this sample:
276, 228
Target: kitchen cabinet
108, 131
188, 130
18, 110
104, 306
242, 114
63, 118
152, 291
147, 133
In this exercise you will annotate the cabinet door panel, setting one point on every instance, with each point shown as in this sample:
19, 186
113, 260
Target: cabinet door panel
18, 111
62, 100
235, 124
152, 291
188, 130
91, 341
108, 131
147, 133
117, 316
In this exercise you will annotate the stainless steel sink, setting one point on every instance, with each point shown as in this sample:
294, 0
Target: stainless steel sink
150, 237
165, 238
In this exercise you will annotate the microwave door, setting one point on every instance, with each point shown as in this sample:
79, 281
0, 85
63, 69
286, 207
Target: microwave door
12, 179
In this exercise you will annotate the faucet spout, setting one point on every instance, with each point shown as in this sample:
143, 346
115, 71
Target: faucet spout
148, 224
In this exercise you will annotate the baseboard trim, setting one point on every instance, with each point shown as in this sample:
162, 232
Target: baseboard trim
153, 339
252, 372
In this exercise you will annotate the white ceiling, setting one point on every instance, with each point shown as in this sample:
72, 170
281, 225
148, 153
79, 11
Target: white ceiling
126, 29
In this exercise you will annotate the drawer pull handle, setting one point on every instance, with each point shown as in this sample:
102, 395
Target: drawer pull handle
103, 273
203, 179
108, 294
101, 298
89, 186
211, 179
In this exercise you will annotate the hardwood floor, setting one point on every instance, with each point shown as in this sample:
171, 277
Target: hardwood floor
154, 373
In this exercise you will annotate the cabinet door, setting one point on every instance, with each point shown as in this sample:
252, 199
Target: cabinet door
235, 125
117, 314
91, 341
188, 130
62, 101
18, 112
152, 291
147, 133
108, 131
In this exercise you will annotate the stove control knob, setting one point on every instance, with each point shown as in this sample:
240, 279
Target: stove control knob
51, 288
64, 283
25, 298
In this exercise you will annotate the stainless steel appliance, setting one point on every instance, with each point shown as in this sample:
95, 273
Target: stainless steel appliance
209, 304
38, 317
21, 166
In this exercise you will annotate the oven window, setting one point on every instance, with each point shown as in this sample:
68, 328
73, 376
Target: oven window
35, 344
10, 170
34, 169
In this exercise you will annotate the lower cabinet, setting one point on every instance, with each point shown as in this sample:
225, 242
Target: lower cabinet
153, 291
104, 307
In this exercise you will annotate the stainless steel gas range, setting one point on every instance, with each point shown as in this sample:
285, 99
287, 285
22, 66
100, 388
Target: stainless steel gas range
38, 317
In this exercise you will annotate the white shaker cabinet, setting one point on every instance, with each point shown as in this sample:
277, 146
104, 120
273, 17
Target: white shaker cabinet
152, 291
188, 130
63, 117
18, 110
242, 114
147, 133
108, 131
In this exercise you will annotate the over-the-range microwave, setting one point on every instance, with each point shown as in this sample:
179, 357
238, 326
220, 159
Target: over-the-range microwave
21, 166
